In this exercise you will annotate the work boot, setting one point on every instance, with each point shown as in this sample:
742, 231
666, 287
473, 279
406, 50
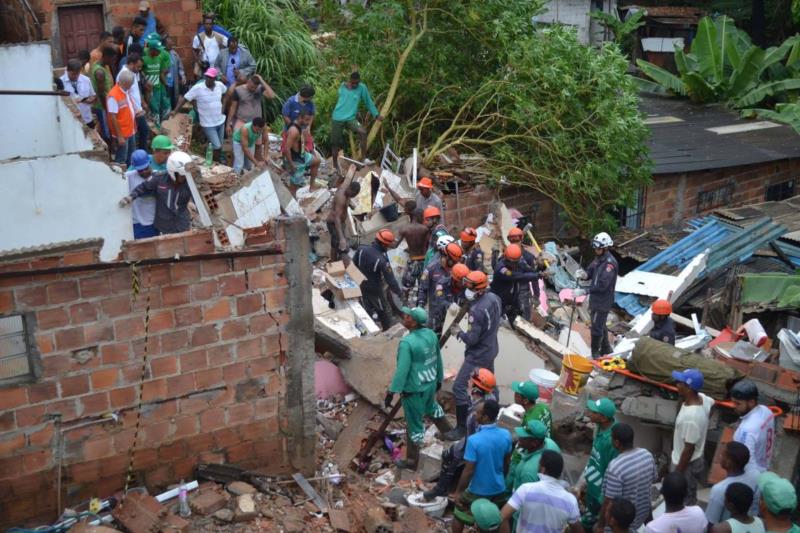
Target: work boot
412, 456
457, 433
448, 476
595, 347
605, 346
442, 425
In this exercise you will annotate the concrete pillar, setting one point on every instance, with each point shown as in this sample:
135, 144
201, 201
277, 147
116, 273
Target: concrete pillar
300, 397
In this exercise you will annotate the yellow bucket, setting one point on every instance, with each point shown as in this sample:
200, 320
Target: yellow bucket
575, 371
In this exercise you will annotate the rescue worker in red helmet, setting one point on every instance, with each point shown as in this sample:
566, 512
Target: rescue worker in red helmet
512, 276
473, 255
372, 261
457, 275
663, 326
432, 217
435, 286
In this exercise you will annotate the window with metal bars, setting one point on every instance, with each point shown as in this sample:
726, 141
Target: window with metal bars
780, 191
16, 365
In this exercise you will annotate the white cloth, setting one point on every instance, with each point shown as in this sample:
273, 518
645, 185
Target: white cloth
209, 103
544, 506
690, 519
143, 208
136, 94
210, 46
80, 89
757, 431
691, 425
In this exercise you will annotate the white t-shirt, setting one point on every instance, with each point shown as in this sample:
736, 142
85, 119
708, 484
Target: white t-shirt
143, 208
544, 506
78, 90
757, 431
688, 520
209, 103
691, 425
210, 48
136, 95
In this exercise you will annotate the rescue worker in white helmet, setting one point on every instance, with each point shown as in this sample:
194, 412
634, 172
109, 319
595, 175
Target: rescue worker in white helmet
602, 277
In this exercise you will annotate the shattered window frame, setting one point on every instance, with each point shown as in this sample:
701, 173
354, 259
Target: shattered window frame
775, 192
16, 333
715, 198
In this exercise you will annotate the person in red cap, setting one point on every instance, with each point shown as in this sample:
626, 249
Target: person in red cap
473, 255
663, 326
512, 276
424, 198
432, 217
372, 261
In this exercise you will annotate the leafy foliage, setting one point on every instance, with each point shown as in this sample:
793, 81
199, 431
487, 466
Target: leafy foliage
624, 31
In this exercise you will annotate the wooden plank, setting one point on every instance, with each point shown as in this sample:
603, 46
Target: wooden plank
310, 492
349, 442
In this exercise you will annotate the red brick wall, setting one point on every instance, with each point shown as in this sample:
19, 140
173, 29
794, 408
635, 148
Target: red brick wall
213, 388
672, 198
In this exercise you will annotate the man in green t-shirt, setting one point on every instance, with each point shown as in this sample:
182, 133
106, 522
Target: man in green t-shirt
601, 413
533, 440
244, 141
156, 66
418, 376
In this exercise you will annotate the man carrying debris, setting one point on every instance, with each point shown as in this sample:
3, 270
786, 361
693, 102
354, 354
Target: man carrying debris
473, 255
418, 377
372, 261
341, 200
691, 427
351, 94
601, 412
482, 384
602, 273
415, 233
296, 156
757, 424
480, 342
512, 276
174, 204
663, 326
434, 286
424, 198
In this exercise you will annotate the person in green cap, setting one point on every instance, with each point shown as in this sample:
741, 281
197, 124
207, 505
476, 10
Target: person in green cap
156, 66
486, 515
418, 377
525, 394
161, 147
601, 413
778, 502
533, 440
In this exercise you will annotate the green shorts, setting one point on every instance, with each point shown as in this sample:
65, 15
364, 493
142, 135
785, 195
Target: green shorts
337, 131
464, 514
298, 177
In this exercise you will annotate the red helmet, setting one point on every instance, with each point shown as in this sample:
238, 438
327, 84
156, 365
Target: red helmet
385, 236
515, 232
513, 252
476, 280
662, 307
484, 379
469, 235
453, 252
460, 270
431, 212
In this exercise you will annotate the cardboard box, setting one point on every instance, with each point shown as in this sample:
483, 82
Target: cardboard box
336, 269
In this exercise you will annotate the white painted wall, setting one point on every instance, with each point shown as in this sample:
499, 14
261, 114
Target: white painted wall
575, 13
34, 126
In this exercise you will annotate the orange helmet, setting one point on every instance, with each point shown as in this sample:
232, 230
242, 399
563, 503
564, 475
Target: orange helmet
459, 271
662, 307
453, 252
431, 212
385, 236
513, 252
484, 379
425, 183
469, 235
515, 232
476, 280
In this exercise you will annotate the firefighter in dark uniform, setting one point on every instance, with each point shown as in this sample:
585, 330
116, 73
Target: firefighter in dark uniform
457, 275
511, 276
663, 326
372, 261
473, 255
602, 276
434, 287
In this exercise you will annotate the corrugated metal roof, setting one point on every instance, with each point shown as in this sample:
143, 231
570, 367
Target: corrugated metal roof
15, 254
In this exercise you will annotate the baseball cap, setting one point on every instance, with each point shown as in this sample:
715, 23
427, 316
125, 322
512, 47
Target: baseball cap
603, 406
778, 493
485, 513
744, 390
211, 72
528, 389
144, 5
692, 377
534, 430
418, 314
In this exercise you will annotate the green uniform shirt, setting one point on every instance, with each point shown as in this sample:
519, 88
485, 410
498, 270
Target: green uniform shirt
349, 100
527, 469
109, 83
602, 454
419, 362
540, 412
154, 66
252, 136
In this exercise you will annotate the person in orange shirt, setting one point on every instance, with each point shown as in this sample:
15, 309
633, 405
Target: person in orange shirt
122, 110
106, 40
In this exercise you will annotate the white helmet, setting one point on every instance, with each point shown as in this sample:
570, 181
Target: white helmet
176, 164
602, 240
443, 241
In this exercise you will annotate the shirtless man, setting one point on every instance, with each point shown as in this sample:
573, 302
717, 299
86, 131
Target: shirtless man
296, 158
347, 189
416, 235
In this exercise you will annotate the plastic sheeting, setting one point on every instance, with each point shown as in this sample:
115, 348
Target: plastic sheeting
781, 290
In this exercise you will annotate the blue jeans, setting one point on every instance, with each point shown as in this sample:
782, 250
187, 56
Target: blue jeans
125, 150
102, 125
215, 135
144, 232
240, 161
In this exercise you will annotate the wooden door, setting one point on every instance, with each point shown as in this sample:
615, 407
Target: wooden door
79, 29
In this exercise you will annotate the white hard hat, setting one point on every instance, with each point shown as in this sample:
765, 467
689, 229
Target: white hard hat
602, 240
176, 164
443, 241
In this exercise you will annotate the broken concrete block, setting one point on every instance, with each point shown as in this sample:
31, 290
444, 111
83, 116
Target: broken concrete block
174, 524
139, 513
430, 462
224, 515
376, 521
245, 508
208, 502
237, 488
398, 496
330, 427
650, 408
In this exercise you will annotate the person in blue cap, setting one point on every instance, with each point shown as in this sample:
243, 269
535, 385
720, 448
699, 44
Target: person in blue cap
143, 208
691, 427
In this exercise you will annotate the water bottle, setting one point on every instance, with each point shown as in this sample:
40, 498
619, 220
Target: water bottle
209, 155
183, 500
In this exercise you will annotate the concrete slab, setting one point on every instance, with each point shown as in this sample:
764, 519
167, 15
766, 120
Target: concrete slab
349, 442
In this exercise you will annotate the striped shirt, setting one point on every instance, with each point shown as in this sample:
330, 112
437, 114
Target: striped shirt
630, 476
544, 506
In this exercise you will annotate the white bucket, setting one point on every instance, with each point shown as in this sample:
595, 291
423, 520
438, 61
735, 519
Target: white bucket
546, 381
434, 508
